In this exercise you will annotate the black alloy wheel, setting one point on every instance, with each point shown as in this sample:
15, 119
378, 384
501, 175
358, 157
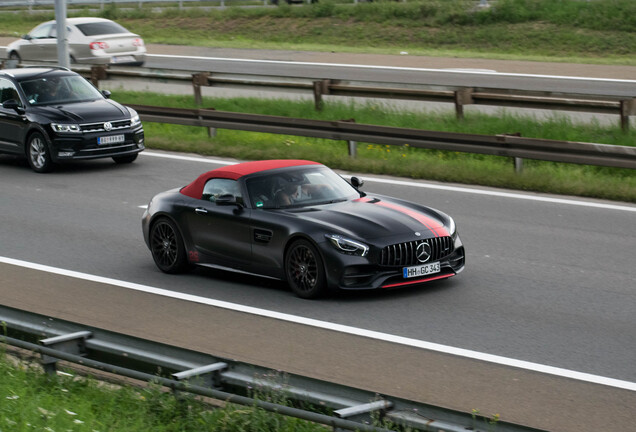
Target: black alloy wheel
305, 270
167, 247
37, 152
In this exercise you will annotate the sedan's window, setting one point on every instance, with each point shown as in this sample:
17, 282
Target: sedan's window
48, 90
217, 187
41, 32
101, 28
8, 91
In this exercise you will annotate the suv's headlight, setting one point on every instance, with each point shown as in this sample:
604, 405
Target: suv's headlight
348, 246
134, 120
72, 128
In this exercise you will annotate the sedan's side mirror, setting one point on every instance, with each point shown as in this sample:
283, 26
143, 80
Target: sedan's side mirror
106, 94
26, 37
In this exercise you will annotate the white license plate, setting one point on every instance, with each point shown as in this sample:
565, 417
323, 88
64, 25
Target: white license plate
421, 270
113, 139
122, 59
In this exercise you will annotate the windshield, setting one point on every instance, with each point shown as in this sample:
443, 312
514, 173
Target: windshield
59, 90
300, 187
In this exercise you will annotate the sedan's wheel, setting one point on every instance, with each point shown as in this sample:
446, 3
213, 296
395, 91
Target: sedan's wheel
38, 153
167, 247
15, 56
305, 270
125, 159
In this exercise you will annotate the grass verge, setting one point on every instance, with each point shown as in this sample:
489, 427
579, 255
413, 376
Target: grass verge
404, 161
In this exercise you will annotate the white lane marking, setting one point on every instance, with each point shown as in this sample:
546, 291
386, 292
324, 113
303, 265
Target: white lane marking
566, 373
372, 179
394, 68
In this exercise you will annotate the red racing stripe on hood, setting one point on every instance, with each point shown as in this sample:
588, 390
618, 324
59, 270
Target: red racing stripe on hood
434, 226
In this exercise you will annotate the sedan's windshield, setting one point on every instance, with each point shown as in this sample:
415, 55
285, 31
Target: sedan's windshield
46, 90
299, 187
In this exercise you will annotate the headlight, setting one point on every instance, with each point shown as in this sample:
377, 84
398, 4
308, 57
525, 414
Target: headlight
72, 128
134, 120
348, 246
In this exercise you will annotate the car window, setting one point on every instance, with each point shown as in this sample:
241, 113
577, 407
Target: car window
47, 90
216, 187
54, 31
41, 32
8, 91
101, 28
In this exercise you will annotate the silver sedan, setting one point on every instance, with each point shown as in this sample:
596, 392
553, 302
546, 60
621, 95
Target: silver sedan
90, 40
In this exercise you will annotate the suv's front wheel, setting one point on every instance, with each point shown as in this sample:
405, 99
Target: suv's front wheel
37, 152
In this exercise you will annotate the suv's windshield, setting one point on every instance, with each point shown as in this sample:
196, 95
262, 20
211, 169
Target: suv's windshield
47, 90
301, 187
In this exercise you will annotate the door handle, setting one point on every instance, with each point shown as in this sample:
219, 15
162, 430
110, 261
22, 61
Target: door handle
200, 210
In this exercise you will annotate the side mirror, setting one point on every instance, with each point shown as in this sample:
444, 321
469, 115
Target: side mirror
26, 37
12, 104
356, 182
106, 94
227, 200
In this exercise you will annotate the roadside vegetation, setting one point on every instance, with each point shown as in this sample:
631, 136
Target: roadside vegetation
599, 31
31, 400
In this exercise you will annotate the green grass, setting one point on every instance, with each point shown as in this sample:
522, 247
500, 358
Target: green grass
540, 176
33, 401
600, 31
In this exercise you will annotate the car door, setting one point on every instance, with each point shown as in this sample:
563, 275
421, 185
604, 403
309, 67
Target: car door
41, 45
220, 230
12, 122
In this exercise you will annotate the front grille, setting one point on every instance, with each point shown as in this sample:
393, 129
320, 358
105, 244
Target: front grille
99, 127
404, 254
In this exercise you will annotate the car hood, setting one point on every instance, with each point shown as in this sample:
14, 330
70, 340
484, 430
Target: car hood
99, 110
375, 218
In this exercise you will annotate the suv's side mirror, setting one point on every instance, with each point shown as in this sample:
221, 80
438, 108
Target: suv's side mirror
12, 104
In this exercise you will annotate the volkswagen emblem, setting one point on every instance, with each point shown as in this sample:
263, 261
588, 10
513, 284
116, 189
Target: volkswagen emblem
423, 252
108, 126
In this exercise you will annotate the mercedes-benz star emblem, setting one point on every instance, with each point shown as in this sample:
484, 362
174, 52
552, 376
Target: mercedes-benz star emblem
423, 252
108, 126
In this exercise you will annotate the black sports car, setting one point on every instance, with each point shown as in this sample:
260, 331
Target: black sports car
300, 222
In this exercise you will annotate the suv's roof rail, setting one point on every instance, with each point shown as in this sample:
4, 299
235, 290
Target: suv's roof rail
50, 67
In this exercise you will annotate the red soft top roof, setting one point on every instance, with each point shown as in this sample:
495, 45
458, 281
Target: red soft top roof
234, 172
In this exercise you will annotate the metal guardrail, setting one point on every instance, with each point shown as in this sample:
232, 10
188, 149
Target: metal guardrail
187, 371
498, 145
459, 96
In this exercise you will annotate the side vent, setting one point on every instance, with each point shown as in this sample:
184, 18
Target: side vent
262, 235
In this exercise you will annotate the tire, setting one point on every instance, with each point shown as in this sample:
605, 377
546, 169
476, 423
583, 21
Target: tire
305, 270
166, 246
38, 153
15, 56
125, 159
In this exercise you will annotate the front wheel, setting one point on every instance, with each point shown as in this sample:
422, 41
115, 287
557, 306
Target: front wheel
38, 153
15, 56
305, 270
167, 248
125, 159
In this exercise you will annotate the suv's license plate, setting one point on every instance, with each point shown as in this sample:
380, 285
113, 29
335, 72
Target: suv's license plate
421, 270
113, 139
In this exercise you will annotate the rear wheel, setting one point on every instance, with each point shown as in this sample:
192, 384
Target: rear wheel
38, 155
125, 159
305, 270
167, 248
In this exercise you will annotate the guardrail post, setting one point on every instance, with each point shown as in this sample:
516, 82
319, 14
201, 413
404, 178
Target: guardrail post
628, 108
98, 73
320, 88
72, 343
463, 97
198, 80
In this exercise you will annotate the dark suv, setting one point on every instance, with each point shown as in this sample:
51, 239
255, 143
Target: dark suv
53, 114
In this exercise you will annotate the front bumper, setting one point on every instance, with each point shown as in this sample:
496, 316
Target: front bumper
348, 272
85, 146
